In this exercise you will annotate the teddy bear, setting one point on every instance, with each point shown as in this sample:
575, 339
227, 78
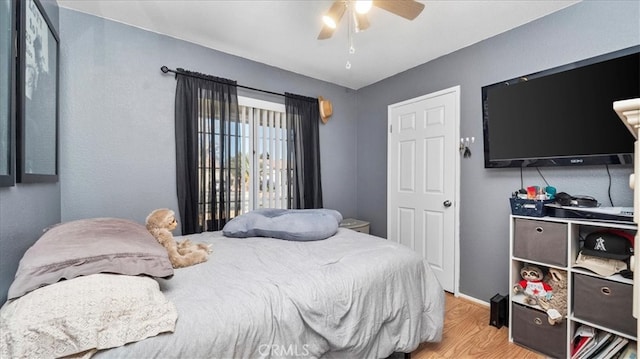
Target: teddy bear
532, 285
556, 305
160, 223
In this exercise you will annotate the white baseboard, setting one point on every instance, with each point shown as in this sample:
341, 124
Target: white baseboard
476, 300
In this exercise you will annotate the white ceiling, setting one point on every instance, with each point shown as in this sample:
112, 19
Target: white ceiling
282, 33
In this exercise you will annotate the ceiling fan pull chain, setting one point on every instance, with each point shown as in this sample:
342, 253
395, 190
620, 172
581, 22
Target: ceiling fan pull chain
352, 50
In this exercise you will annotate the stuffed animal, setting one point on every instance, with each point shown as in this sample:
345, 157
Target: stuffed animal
556, 305
532, 284
160, 223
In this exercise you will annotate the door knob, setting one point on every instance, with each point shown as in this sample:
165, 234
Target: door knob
447, 203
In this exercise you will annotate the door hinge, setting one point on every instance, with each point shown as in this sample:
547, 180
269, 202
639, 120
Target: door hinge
390, 128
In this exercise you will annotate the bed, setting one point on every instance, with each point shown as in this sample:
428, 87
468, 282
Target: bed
351, 295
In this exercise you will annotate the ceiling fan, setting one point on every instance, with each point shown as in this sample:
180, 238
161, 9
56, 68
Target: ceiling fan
408, 9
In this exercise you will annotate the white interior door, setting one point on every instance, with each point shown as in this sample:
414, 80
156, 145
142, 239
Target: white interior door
422, 166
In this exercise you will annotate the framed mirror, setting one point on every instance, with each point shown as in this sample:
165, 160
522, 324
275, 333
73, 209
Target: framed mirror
7, 98
38, 49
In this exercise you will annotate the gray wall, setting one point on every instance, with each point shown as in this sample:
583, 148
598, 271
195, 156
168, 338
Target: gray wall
581, 31
25, 209
118, 150
117, 147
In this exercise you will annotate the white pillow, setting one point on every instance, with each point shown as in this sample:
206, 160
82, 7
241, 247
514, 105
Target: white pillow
83, 314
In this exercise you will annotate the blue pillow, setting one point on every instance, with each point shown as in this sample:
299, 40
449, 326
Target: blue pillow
289, 224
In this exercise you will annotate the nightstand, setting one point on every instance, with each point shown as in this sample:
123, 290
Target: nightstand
355, 224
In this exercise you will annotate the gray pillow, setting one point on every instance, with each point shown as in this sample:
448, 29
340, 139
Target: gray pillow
289, 224
90, 246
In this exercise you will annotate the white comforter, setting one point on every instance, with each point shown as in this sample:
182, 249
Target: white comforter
349, 296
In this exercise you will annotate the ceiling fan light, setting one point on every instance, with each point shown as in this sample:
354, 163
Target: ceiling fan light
363, 6
329, 21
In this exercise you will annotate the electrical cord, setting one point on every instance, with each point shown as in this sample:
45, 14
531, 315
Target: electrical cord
521, 181
540, 173
609, 189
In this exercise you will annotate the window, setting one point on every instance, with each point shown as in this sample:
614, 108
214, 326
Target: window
264, 154
257, 146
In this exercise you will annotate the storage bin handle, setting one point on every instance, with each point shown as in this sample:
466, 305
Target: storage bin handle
605, 290
538, 321
539, 229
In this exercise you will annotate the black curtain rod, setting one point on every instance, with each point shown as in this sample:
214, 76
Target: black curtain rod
166, 69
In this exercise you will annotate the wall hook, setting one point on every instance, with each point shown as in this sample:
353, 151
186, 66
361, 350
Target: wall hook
465, 146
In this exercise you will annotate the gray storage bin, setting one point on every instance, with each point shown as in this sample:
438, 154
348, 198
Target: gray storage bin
604, 302
540, 241
530, 327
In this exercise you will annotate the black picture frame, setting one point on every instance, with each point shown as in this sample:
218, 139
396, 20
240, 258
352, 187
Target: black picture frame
7, 93
38, 103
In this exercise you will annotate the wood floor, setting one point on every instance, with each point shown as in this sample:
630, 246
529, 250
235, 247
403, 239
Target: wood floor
467, 334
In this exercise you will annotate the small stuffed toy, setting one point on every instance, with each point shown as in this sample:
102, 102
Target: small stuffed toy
532, 284
556, 305
160, 223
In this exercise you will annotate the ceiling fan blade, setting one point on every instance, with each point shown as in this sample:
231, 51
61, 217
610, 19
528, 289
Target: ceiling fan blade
362, 22
336, 11
325, 33
408, 9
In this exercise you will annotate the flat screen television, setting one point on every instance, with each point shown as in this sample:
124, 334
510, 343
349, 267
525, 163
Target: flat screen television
563, 116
